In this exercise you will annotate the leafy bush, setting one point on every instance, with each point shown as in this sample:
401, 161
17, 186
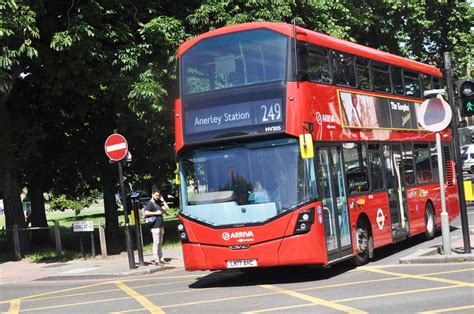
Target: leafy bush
62, 203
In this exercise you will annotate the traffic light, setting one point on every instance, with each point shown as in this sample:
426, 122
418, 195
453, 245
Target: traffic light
466, 94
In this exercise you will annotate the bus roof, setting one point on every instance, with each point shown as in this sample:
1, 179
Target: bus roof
318, 39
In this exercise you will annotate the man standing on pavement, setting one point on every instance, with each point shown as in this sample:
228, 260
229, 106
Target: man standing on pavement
156, 207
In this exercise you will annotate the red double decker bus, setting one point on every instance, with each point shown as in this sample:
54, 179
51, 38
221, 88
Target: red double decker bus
364, 175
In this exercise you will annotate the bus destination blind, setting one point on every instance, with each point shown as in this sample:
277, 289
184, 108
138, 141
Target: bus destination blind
237, 115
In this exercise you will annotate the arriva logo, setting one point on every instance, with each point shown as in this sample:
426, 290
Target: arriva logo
327, 118
237, 235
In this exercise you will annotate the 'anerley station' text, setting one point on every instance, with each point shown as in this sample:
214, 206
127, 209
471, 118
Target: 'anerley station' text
218, 120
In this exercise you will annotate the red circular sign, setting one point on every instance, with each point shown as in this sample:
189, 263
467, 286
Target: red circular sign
434, 114
116, 147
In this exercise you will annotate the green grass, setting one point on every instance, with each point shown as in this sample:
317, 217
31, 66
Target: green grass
70, 239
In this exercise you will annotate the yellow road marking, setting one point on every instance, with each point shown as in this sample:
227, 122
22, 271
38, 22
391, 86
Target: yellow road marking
412, 265
224, 299
424, 277
93, 285
448, 272
315, 301
59, 291
348, 284
304, 305
249, 296
75, 304
140, 298
129, 311
103, 291
14, 306
220, 300
363, 297
262, 294
450, 309
119, 298
280, 308
394, 293
160, 277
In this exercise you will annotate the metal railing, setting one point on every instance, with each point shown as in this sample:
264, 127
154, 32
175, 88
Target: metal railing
57, 239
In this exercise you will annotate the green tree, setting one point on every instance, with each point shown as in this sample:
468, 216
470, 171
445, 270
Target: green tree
18, 34
97, 73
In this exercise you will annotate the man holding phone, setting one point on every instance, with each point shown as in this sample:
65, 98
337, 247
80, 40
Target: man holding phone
157, 206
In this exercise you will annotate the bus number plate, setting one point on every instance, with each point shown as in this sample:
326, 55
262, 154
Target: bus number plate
242, 263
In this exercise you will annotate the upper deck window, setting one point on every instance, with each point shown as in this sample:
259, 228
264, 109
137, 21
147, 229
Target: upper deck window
412, 83
363, 74
436, 83
317, 64
236, 59
343, 69
426, 80
397, 80
380, 77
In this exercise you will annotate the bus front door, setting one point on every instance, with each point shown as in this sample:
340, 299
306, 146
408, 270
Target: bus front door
334, 200
396, 192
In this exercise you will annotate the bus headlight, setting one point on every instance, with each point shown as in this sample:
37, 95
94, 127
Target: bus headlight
182, 232
304, 222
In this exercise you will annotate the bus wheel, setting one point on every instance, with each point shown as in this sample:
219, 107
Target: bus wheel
363, 239
430, 222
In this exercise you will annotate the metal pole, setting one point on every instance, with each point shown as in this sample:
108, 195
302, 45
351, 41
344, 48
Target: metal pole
138, 232
444, 213
57, 239
457, 154
16, 243
92, 244
128, 239
103, 242
80, 244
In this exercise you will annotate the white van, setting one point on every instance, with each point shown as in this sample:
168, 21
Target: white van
467, 156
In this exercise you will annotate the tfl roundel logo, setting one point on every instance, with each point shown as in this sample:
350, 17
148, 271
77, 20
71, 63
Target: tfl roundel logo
225, 236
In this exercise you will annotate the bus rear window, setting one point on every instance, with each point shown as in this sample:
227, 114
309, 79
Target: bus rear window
236, 59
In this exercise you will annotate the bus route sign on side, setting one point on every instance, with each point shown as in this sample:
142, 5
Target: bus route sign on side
116, 147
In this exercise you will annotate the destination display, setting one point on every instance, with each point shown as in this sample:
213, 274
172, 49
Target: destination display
237, 115
374, 112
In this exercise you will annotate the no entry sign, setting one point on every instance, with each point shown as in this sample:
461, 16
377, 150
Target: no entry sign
116, 147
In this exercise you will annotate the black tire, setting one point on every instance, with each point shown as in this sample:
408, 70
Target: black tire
430, 222
363, 238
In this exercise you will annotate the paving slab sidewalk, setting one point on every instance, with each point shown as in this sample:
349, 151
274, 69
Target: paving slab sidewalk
91, 268
434, 255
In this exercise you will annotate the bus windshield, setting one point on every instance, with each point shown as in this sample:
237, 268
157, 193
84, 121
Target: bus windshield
246, 183
236, 59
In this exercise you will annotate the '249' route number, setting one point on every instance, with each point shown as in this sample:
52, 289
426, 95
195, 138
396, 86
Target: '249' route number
271, 112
